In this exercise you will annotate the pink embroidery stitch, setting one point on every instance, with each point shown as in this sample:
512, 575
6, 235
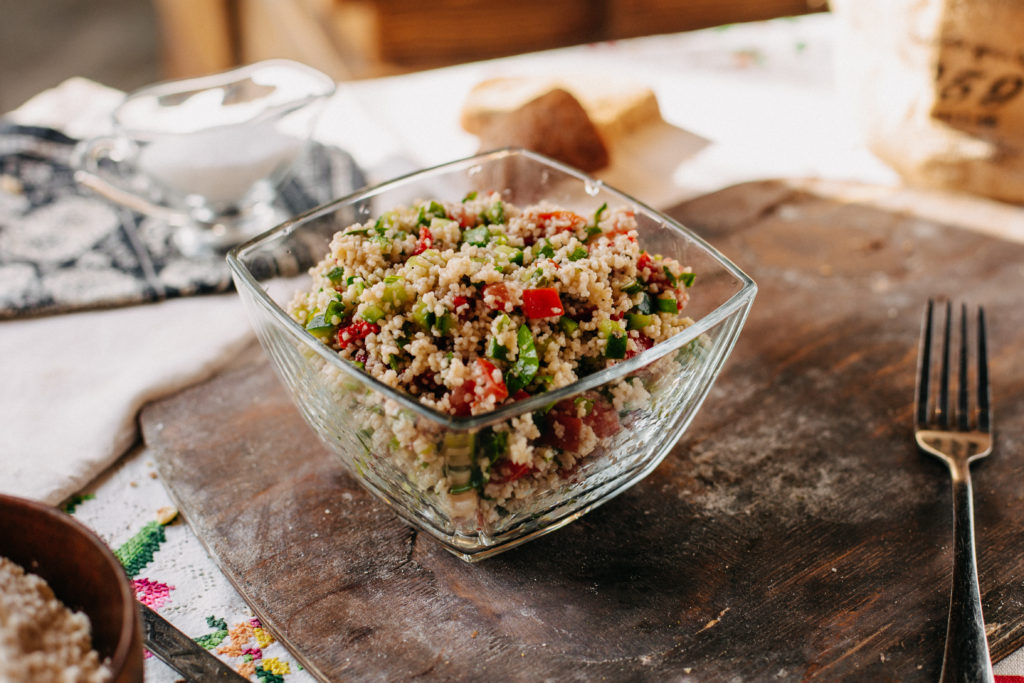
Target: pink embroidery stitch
151, 593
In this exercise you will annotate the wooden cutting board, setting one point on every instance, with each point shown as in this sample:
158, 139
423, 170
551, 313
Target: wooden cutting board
794, 531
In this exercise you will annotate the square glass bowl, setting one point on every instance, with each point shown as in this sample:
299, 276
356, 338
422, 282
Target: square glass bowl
384, 437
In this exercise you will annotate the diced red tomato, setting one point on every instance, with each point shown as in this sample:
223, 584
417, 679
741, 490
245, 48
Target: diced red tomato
617, 315
642, 341
489, 380
461, 304
507, 471
603, 419
645, 261
520, 395
462, 398
622, 227
485, 382
496, 296
542, 302
561, 220
426, 240
570, 426
465, 217
356, 332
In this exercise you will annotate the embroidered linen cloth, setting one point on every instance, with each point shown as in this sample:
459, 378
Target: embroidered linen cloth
85, 373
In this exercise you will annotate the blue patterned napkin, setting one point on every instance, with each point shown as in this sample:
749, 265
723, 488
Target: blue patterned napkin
64, 248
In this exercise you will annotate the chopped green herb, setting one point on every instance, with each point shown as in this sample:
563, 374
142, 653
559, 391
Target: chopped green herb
491, 444
494, 214
578, 253
469, 197
546, 250
669, 275
496, 350
592, 229
335, 274
388, 219
527, 363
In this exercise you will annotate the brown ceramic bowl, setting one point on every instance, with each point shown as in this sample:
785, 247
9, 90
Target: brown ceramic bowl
83, 574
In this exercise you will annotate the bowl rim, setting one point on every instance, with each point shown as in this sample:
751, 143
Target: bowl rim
738, 302
325, 87
130, 620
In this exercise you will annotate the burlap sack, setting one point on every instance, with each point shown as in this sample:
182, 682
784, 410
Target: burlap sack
938, 88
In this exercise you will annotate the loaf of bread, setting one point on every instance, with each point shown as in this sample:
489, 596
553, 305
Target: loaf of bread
577, 120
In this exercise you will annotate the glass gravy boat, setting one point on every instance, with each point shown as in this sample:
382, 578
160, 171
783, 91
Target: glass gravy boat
207, 154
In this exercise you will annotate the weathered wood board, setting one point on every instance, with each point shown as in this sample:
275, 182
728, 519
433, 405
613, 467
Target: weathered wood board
794, 532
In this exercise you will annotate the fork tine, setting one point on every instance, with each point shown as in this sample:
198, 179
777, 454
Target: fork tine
942, 407
961, 396
924, 363
984, 390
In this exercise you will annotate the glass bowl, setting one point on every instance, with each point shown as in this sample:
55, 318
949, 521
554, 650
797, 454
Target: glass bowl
381, 434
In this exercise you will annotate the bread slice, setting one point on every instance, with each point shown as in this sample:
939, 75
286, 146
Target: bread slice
574, 119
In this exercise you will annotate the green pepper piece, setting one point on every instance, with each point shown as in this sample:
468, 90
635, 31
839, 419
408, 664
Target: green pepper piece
336, 274
634, 287
319, 326
478, 237
568, 325
616, 346
510, 254
394, 291
646, 305
527, 363
668, 305
445, 323
669, 275
469, 197
607, 328
372, 313
423, 316
546, 250
638, 321
687, 278
335, 309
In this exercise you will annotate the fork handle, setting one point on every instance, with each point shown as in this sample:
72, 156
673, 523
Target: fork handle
966, 657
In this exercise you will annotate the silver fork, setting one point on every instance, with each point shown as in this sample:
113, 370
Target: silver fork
958, 436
